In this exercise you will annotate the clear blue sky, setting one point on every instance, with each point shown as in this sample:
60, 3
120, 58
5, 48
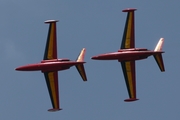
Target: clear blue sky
98, 26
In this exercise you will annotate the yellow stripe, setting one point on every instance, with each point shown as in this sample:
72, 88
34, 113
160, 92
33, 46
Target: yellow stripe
52, 84
128, 36
129, 75
51, 41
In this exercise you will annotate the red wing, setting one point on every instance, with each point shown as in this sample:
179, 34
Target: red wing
51, 44
129, 72
128, 36
52, 84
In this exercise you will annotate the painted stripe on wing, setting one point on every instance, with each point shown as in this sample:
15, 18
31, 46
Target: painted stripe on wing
54, 89
52, 43
129, 78
128, 36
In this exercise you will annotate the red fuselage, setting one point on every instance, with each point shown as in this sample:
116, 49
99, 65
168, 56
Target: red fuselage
49, 65
127, 54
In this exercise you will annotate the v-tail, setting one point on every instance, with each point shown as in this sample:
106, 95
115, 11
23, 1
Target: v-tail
158, 57
80, 67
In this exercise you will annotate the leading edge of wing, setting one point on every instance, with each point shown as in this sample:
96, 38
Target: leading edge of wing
129, 72
128, 40
53, 89
51, 44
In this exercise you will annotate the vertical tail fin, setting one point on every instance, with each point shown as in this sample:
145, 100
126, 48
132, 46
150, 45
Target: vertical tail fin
158, 56
80, 67
159, 45
81, 55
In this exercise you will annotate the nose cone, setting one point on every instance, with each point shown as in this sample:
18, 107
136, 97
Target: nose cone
19, 68
94, 57
30, 67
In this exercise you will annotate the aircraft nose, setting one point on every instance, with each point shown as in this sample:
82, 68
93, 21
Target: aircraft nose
19, 68
94, 57
22, 68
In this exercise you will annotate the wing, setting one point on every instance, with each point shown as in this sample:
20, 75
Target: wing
129, 72
52, 84
128, 36
51, 44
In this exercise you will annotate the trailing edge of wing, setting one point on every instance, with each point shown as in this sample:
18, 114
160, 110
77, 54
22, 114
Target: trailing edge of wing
51, 44
129, 32
128, 68
52, 85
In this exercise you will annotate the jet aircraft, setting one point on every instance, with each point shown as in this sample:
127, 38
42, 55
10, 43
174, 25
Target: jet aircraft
50, 65
128, 54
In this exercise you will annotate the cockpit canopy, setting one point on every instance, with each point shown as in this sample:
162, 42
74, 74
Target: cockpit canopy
133, 49
55, 60
64, 59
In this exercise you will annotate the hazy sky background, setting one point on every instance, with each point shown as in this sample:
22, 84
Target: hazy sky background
98, 26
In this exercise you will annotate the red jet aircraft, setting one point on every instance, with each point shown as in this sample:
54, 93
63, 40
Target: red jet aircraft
127, 54
50, 65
